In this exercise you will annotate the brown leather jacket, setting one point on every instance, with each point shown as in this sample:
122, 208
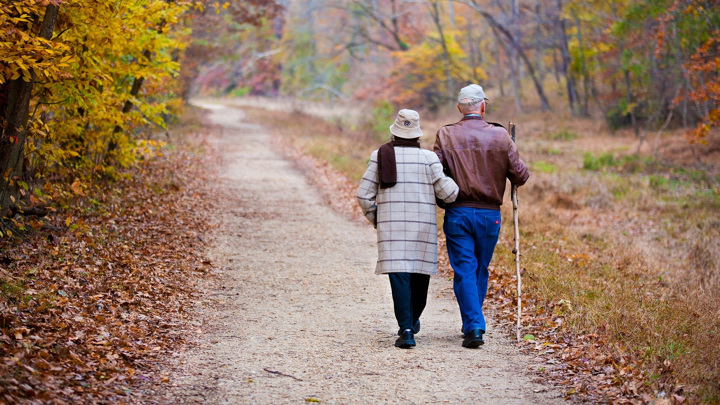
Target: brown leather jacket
479, 156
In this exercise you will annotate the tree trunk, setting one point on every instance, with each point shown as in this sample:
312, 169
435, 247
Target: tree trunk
476, 57
366, 20
435, 12
514, 59
583, 68
451, 13
629, 99
498, 69
16, 109
705, 104
681, 77
396, 28
556, 65
539, 42
544, 104
515, 80
565, 58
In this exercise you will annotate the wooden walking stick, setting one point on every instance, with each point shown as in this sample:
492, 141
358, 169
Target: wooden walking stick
516, 249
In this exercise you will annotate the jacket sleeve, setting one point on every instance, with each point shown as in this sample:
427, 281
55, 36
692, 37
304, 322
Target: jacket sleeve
367, 191
437, 148
445, 187
517, 170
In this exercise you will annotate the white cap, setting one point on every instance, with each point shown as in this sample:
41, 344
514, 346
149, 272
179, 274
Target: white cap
472, 93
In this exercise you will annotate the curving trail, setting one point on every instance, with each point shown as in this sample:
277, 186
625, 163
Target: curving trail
302, 316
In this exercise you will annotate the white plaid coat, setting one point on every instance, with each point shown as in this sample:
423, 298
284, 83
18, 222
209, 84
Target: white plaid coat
406, 215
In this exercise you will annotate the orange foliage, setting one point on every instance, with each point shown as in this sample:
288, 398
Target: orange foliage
706, 63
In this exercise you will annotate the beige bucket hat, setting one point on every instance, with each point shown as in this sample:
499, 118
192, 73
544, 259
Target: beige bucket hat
406, 125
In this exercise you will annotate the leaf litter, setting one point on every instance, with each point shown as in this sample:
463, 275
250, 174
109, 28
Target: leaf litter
97, 297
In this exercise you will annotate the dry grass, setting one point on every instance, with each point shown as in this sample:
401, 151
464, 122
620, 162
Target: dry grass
343, 146
631, 245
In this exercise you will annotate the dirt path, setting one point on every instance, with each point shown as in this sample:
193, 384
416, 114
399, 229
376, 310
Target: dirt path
303, 317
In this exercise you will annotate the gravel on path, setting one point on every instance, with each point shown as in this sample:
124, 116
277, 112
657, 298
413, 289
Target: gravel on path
301, 316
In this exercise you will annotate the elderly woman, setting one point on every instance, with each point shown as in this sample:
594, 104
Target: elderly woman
397, 194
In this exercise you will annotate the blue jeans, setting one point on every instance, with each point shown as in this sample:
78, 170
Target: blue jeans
471, 234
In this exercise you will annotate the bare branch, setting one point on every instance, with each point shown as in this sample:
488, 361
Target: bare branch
544, 104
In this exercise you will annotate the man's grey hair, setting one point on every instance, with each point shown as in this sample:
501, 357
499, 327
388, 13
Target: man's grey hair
470, 104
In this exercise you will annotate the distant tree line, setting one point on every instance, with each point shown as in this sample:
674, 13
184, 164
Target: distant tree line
643, 64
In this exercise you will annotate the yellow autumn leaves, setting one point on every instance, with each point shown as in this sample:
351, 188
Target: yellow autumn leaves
99, 58
421, 70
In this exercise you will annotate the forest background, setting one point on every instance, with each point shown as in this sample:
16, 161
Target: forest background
618, 100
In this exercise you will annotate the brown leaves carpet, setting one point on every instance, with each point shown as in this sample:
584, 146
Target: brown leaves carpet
87, 309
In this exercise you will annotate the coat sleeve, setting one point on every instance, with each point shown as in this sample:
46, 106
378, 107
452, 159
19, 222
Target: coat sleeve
445, 188
368, 189
437, 148
518, 172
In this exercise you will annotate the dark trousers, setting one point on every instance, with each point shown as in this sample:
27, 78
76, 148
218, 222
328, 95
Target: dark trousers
409, 292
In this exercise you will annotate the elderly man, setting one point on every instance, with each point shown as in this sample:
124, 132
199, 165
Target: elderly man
479, 156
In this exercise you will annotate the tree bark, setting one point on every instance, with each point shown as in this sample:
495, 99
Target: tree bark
583, 68
629, 98
539, 42
390, 27
435, 13
476, 57
556, 65
565, 58
544, 104
705, 104
451, 13
396, 28
498, 69
16, 110
373, 46
514, 59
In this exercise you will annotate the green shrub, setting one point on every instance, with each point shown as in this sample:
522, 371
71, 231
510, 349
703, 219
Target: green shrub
563, 136
382, 118
635, 164
658, 182
620, 190
617, 116
240, 91
592, 162
544, 167
697, 175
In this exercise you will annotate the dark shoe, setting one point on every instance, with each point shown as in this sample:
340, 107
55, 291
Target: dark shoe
415, 328
406, 340
473, 338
